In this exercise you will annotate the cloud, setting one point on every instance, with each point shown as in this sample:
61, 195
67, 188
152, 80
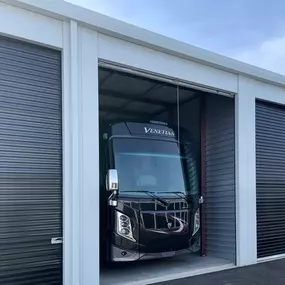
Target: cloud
215, 25
269, 55
248, 30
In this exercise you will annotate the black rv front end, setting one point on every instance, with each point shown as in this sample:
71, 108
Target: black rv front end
153, 209
156, 230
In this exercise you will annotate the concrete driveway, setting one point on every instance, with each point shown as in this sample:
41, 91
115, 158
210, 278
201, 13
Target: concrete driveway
267, 273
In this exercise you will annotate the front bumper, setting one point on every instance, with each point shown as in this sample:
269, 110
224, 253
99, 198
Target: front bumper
122, 255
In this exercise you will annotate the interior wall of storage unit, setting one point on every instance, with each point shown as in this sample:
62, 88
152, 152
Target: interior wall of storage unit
219, 147
189, 117
124, 96
218, 130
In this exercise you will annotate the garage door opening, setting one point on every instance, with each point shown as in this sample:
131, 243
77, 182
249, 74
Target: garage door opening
189, 152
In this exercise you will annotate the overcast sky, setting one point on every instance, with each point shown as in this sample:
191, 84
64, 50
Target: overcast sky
248, 30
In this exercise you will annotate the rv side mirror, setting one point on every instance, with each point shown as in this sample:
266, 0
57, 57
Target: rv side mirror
112, 181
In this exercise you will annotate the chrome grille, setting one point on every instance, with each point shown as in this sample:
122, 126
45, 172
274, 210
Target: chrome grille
162, 215
155, 215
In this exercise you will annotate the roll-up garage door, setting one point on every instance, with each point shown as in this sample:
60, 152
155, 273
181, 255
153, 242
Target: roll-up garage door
220, 214
30, 164
270, 179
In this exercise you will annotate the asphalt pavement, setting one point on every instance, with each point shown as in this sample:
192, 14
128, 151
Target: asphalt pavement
266, 273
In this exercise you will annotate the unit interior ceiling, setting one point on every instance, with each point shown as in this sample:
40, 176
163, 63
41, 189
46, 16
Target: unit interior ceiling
125, 95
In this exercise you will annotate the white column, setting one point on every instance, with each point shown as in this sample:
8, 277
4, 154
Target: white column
71, 157
90, 157
81, 156
245, 172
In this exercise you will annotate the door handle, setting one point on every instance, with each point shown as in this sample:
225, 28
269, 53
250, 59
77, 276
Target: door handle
56, 240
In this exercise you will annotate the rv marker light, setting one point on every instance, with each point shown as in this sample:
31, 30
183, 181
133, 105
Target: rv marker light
158, 123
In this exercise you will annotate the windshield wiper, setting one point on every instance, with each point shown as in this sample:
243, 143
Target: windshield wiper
151, 194
179, 194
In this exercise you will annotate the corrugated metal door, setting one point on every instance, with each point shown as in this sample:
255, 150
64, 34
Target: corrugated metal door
220, 215
270, 179
30, 164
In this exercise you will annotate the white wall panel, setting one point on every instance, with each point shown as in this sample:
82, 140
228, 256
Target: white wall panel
140, 57
67, 156
89, 168
81, 156
245, 172
30, 26
119, 29
267, 92
72, 156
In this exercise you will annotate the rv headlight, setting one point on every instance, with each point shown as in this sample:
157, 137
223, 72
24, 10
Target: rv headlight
124, 227
196, 222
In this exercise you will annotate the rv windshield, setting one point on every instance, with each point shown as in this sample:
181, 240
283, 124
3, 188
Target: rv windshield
148, 165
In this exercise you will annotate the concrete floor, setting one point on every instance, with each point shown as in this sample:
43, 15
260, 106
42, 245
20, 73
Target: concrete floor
154, 271
267, 273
